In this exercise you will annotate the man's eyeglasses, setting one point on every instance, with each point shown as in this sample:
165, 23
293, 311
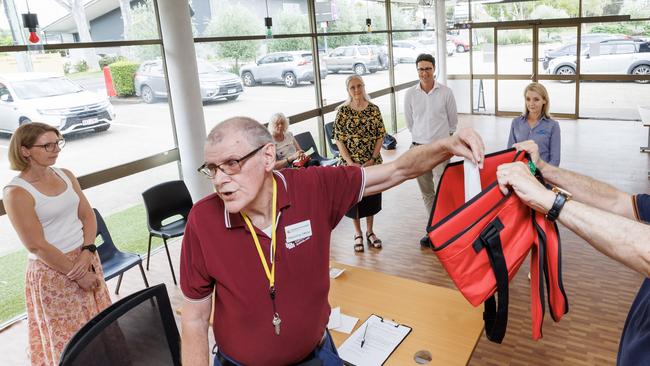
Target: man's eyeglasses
51, 146
230, 167
423, 69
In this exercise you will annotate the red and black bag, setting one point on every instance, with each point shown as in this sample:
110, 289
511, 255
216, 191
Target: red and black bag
483, 242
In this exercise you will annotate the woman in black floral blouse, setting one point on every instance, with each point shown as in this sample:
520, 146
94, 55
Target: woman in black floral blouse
359, 131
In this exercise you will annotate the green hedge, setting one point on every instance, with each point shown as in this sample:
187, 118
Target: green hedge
122, 73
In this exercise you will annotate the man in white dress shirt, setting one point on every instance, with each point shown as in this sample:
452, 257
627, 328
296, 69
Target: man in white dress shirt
430, 112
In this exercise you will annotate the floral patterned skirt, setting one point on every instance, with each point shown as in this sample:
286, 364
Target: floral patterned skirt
57, 308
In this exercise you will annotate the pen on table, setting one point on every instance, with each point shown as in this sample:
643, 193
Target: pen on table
363, 339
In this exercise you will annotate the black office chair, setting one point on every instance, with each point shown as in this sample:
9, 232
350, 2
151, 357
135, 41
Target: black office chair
329, 136
115, 262
163, 202
137, 330
307, 143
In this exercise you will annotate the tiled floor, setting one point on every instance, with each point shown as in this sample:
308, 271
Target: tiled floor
600, 290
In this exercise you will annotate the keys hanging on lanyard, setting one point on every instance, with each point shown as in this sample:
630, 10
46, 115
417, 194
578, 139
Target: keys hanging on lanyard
276, 323
276, 317
270, 273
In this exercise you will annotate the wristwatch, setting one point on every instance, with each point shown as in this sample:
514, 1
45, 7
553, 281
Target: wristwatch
90, 247
561, 197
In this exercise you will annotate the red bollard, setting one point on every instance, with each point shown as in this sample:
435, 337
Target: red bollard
108, 80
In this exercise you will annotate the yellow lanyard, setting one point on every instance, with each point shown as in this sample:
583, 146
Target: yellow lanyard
269, 274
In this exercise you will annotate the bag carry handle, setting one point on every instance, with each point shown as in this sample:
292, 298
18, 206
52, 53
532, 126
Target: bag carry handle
495, 318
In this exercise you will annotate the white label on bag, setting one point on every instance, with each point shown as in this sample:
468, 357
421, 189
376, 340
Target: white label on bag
297, 233
472, 178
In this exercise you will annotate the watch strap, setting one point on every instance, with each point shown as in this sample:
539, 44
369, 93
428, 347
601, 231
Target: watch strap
90, 247
558, 204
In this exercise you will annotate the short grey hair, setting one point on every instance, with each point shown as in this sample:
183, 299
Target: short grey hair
277, 117
254, 131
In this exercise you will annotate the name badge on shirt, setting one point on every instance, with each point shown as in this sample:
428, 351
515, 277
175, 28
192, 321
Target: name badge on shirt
297, 233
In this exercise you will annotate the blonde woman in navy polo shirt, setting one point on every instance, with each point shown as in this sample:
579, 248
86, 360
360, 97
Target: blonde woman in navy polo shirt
536, 124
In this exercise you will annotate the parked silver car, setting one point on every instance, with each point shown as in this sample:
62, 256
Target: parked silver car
51, 99
607, 57
359, 59
215, 83
290, 68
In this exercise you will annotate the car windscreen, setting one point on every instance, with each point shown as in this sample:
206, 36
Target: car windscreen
206, 68
42, 88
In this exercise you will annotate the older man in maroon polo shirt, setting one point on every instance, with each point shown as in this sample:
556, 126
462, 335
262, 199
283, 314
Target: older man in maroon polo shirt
261, 245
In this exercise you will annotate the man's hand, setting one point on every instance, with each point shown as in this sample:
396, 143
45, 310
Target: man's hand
89, 282
525, 185
468, 144
533, 150
81, 265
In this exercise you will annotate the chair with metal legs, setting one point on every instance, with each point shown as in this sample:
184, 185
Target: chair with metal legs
115, 262
169, 201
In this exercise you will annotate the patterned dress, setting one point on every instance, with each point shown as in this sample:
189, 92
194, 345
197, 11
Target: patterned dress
57, 308
359, 132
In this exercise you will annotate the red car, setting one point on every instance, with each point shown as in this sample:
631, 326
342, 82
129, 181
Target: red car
461, 45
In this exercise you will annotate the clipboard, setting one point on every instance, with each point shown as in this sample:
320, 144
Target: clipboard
380, 338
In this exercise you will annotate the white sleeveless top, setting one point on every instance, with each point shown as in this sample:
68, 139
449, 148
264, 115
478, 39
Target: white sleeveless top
58, 215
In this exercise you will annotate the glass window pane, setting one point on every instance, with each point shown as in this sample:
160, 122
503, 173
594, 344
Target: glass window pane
111, 130
511, 98
458, 62
483, 51
234, 18
456, 11
343, 59
614, 48
523, 10
257, 78
461, 91
405, 72
515, 50
350, 15
409, 15
483, 97
556, 42
621, 103
126, 208
562, 96
98, 21
634, 8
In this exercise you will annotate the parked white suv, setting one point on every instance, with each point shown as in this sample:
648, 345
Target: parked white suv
51, 99
619, 57
290, 68
358, 59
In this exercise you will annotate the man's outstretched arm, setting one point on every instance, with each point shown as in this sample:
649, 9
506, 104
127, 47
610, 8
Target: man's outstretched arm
414, 162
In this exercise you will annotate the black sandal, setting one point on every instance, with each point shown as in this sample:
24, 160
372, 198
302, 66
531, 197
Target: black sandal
373, 243
358, 247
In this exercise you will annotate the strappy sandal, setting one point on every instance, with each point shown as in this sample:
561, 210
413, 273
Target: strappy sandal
373, 243
358, 247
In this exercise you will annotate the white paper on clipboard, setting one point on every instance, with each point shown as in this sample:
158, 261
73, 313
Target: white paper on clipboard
381, 337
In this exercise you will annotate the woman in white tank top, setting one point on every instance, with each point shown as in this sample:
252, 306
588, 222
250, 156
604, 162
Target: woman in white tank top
64, 284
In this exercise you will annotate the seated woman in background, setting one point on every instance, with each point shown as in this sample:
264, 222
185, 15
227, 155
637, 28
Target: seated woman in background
359, 131
64, 282
536, 124
287, 149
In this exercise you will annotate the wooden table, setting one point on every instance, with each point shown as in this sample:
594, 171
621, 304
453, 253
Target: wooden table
443, 322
